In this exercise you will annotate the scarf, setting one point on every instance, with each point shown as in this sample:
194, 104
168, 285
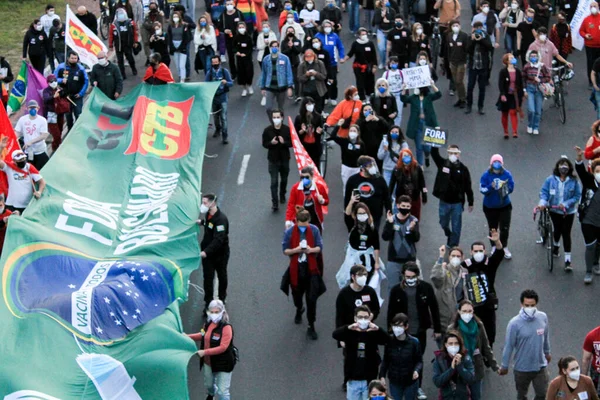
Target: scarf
469, 332
359, 40
28, 170
313, 261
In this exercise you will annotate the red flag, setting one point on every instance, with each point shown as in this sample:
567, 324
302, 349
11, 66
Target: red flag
303, 159
6, 130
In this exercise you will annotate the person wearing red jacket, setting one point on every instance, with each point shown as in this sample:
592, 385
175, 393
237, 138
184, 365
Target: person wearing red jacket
590, 32
309, 194
157, 73
592, 147
123, 37
560, 35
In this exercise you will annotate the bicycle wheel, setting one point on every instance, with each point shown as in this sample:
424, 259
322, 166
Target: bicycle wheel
323, 161
435, 51
104, 27
561, 105
549, 240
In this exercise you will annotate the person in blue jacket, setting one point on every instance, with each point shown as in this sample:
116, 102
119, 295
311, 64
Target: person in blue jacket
219, 105
74, 81
331, 41
561, 193
496, 185
276, 89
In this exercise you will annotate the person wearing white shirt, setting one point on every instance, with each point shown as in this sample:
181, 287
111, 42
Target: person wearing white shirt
309, 19
48, 18
22, 178
33, 128
205, 40
299, 32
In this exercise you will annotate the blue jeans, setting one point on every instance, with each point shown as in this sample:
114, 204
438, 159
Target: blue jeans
368, 19
217, 384
475, 389
510, 42
597, 94
353, 16
387, 175
404, 392
421, 148
219, 109
357, 390
535, 99
381, 45
393, 272
451, 215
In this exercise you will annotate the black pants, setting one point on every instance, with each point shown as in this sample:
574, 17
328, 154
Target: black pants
231, 56
499, 218
128, 53
314, 150
479, 77
13, 209
332, 90
209, 267
38, 62
487, 315
245, 70
591, 53
422, 336
591, 237
303, 290
562, 227
365, 82
278, 170
39, 160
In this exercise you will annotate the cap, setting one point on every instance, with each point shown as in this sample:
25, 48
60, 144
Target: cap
32, 103
50, 78
18, 155
497, 157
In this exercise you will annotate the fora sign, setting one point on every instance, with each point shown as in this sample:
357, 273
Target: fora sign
435, 137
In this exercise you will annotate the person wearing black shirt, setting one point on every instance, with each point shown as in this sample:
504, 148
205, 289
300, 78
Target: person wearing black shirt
482, 275
214, 247
291, 46
309, 125
365, 63
227, 24
57, 41
351, 148
372, 127
6, 76
36, 46
526, 32
362, 360
276, 138
480, 52
452, 186
357, 293
242, 47
398, 40
88, 19
454, 49
159, 43
372, 188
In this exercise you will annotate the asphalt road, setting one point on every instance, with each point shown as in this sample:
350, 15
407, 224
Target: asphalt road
277, 361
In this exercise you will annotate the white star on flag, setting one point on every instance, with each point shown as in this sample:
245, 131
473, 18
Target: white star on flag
131, 277
133, 269
153, 273
126, 284
137, 294
137, 310
125, 312
144, 277
71, 286
99, 330
112, 314
135, 317
142, 271
106, 300
118, 322
128, 293
119, 286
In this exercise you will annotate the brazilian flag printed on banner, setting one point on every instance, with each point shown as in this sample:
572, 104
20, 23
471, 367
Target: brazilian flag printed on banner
19, 90
93, 272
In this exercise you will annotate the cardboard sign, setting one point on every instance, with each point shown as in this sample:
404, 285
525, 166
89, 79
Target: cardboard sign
417, 77
435, 137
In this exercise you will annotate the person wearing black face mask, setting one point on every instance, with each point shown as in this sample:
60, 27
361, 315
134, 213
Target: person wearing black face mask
561, 193
398, 40
560, 36
157, 73
219, 105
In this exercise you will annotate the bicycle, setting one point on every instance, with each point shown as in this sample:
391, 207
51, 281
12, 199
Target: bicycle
546, 231
560, 74
105, 17
435, 41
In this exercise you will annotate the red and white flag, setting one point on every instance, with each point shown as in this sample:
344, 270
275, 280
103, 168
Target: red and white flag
304, 160
81, 39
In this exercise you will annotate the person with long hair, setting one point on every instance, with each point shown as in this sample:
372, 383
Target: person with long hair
352, 147
570, 380
217, 352
383, 102
242, 47
418, 42
383, 20
372, 129
476, 343
561, 194
534, 73
378, 391
592, 146
389, 151
453, 369
510, 84
291, 47
205, 40
312, 75
365, 63
511, 16
347, 112
408, 179
394, 78
179, 35
309, 125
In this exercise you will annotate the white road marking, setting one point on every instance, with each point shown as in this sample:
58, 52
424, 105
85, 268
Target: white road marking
243, 168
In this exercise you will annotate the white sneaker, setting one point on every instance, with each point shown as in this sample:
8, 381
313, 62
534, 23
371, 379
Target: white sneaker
536, 132
326, 102
381, 66
263, 101
223, 58
332, 102
507, 253
244, 93
421, 395
529, 130
596, 269
182, 80
250, 90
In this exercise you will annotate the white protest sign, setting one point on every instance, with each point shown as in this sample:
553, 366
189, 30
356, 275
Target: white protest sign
583, 10
417, 77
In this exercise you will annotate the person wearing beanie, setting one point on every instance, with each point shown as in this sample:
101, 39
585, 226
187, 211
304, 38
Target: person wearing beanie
496, 185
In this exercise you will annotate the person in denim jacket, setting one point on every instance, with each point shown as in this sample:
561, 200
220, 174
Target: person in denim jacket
284, 78
561, 193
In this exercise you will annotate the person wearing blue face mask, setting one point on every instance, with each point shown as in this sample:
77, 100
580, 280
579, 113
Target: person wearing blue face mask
510, 84
33, 129
383, 103
408, 180
378, 391
534, 73
276, 78
394, 78
310, 194
496, 185
389, 151
302, 243
526, 33
205, 40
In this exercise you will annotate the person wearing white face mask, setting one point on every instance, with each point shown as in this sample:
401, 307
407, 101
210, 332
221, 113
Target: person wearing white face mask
56, 121
591, 35
346, 112
453, 369
448, 282
418, 42
570, 380
123, 37
37, 46
106, 76
48, 18
511, 16
589, 213
217, 352
365, 63
361, 364
402, 361
481, 278
276, 139
528, 340
352, 148
356, 293
476, 343
546, 49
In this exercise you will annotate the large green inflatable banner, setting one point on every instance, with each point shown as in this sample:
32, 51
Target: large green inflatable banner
93, 272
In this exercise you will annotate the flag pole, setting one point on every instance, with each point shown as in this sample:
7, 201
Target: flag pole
66, 31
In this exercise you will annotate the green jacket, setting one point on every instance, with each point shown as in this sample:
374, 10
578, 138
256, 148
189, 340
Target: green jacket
415, 110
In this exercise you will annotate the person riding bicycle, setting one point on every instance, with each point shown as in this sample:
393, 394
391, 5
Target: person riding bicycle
560, 194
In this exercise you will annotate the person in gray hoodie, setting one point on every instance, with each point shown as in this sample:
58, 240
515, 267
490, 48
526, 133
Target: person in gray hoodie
528, 337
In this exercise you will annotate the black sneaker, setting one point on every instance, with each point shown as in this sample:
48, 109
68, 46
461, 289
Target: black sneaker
568, 267
468, 110
282, 198
209, 397
427, 163
275, 207
459, 103
481, 111
217, 134
555, 251
298, 317
225, 141
134, 72
311, 333
345, 386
